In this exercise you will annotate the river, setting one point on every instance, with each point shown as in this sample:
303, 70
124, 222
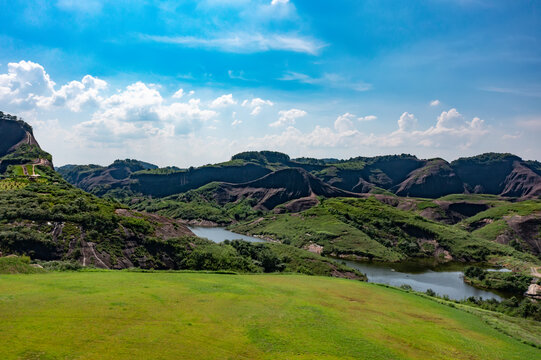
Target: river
444, 280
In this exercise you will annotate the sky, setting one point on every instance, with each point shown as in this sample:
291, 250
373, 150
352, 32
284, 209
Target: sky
188, 83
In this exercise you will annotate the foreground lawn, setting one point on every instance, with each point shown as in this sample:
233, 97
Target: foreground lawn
123, 315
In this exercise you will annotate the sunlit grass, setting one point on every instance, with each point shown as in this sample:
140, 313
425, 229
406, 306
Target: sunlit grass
124, 315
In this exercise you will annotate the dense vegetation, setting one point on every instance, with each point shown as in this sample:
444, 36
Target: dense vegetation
31, 215
371, 229
199, 204
503, 281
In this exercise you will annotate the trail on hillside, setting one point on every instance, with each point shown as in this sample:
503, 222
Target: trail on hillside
25, 172
95, 255
535, 271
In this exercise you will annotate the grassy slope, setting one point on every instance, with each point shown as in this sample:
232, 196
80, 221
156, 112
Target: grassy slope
122, 315
367, 227
497, 214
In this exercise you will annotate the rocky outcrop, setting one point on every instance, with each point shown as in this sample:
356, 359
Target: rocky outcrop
485, 173
527, 230
182, 181
14, 133
433, 180
522, 182
278, 188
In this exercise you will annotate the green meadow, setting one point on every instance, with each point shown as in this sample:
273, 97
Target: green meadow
168, 315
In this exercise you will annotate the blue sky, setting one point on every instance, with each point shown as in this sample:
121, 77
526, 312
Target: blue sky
101, 80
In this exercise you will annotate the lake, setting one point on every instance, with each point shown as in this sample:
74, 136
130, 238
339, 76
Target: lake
444, 280
219, 234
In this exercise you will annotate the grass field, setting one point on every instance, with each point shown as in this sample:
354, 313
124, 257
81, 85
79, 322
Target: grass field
127, 315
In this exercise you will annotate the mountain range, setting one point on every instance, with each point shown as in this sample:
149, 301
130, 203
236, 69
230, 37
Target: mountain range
386, 208
403, 175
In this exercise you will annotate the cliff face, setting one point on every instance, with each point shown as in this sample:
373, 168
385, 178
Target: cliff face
498, 174
522, 182
18, 145
433, 180
181, 181
486, 173
279, 187
14, 133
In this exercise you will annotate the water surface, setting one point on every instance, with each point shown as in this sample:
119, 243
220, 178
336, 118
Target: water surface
444, 281
219, 234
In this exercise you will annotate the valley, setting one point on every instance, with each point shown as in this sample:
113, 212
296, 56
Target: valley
251, 245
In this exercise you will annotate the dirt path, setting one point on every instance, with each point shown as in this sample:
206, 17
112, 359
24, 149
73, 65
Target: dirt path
84, 256
25, 172
535, 271
95, 255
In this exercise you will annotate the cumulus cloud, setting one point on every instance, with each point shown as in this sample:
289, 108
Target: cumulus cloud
344, 135
27, 85
288, 117
279, 2
223, 101
448, 119
434, 102
256, 105
344, 123
407, 122
141, 111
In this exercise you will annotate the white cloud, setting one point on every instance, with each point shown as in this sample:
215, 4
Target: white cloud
245, 42
345, 136
223, 101
27, 85
435, 102
288, 117
368, 118
448, 118
179, 94
236, 122
407, 122
140, 111
279, 2
344, 123
256, 105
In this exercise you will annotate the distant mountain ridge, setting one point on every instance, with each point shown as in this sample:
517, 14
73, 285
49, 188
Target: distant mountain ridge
280, 187
403, 175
